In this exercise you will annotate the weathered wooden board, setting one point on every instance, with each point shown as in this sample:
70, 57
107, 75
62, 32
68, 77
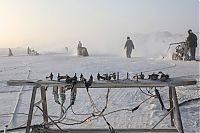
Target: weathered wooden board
171, 130
107, 84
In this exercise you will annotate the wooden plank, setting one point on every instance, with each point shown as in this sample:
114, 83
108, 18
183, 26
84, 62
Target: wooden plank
107, 84
116, 130
30, 114
177, 111
44, 104
171, 106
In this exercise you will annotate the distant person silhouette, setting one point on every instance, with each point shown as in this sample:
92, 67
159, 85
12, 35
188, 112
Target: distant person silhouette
81, 50
129, 47
192, 41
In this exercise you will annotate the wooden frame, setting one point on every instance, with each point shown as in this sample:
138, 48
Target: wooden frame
174, 108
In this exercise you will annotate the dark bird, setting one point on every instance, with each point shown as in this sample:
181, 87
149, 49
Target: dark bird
89, 82
74, 80
82, 78
153, 76
68, 79
50, 76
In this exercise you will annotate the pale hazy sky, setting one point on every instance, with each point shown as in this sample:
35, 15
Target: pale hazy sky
59, 23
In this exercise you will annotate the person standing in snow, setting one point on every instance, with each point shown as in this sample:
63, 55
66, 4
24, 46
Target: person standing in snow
129, 47
192, 41
82, 50
79, 48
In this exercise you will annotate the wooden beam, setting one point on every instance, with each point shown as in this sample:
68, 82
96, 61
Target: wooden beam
44, 104
107, 84
30, 114
171, 106
177, 111
172, 130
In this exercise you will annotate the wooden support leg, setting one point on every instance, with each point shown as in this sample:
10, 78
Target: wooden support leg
30, 114
171, 106
178, 115
44, 104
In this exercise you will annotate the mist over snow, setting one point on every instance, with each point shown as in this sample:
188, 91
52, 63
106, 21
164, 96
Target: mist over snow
15, 51
151, 45
155, 44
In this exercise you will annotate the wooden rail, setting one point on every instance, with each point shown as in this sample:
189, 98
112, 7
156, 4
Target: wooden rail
116, 130
106, 84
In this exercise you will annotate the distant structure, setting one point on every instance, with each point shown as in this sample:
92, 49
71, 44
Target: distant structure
82, 51
28, 51
66, 48
10, 52
31, 51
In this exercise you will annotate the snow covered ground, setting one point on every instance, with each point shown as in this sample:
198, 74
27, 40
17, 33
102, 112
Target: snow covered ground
38, 67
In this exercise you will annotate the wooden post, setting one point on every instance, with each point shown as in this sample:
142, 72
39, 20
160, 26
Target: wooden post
30, 114
44, 103
171, 106
178, 115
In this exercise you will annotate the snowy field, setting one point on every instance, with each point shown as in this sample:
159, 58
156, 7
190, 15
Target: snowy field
38, 67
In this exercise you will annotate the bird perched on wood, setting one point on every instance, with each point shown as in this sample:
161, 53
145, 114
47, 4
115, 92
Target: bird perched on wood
163, 77
89, 82
74, 80
50, 76
82, 78
153, 76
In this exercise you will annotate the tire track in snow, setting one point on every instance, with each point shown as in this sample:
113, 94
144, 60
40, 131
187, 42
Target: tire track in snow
11, 68
12, 120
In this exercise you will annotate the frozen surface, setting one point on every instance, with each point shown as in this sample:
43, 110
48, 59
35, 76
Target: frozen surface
148, 114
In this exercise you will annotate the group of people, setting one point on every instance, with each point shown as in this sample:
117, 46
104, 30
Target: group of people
191, 40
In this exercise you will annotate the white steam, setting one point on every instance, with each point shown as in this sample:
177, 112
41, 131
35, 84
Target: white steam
152, 45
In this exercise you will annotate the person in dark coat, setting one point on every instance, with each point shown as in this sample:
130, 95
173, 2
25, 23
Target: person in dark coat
192, 41
129, 47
